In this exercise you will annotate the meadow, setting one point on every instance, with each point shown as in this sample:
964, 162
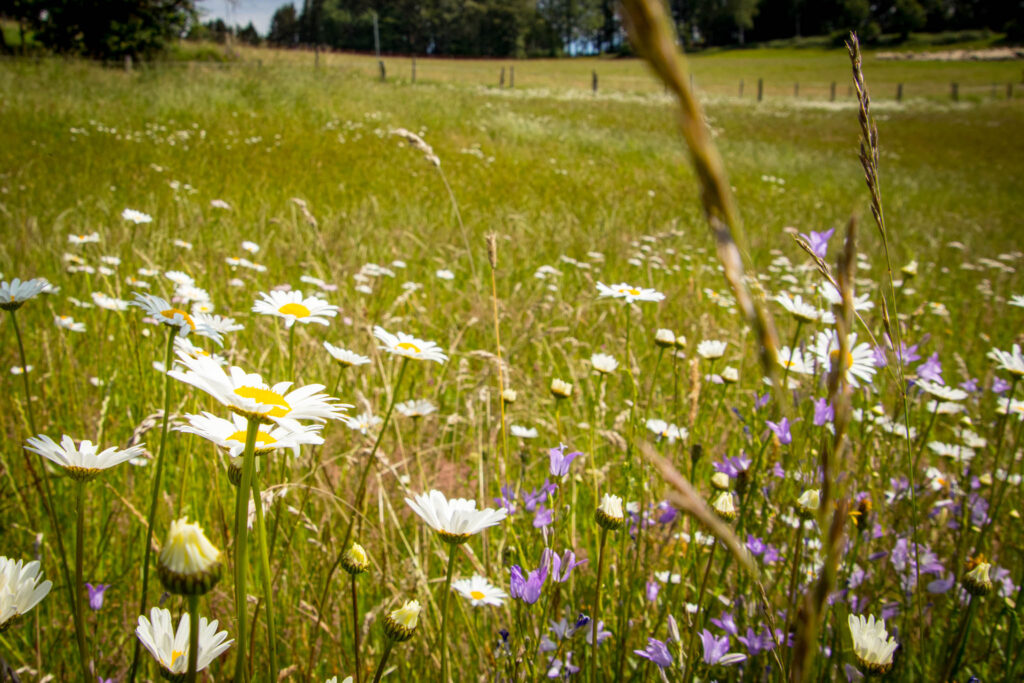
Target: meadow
249, 182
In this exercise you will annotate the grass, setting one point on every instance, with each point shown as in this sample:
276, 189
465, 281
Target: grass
555, 172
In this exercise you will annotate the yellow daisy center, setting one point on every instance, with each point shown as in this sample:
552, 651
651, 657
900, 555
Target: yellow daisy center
266, 397
171, 312
833, 356
175, 655
298, 310
477, 595
262, 438
408, 346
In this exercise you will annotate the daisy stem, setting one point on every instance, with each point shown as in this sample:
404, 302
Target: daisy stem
383, 660
792, 353
241, 540
268, 592
597, 607
995, 468
193, 637
355, 629
444, 613
291, 352
501, 375
79, 585
155, 495
698, 616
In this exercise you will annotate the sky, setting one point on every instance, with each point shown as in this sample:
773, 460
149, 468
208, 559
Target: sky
241, 12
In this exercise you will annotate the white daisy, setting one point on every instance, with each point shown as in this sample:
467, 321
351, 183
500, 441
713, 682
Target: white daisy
832, 295
521, 432
941, 391
219, 323
219, 204
798, 308
872, 645
230, 434
665, 430
1017, 300
182, 244
293, 307
83, 461
165, 313
248, 395
479, 591
84, 238
137, 217
364, 422
420, 407
408, 346
344, 356
711, 349
1015, 407
956, 452
170, 647
179, 278
604, 363
20, 588
629, 293
445, 275
110, 303
1011, 360
794, 361
68, 323
454, 520
15, 293
250, 247
860, 359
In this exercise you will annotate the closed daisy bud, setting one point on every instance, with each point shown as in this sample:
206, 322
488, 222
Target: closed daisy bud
724, 506
355, 560
664, 338
871, 643
509, 396
808, 503
720, 480
730, 375
609, 512
400, 623
976, 580
188, 563
560, 389
235, 471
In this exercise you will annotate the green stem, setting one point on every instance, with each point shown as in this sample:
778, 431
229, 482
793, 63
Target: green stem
698, 617
193, 637
597, 607
291, 352
268, 589
383, 661
155, 494
79, 585
241, 545
355, 629
444, 613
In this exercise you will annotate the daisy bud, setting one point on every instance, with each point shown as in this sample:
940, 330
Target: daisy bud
724, 506
909, 271
808, 503
977, 581
730, 375
664, 338
400, 623
235, 471
680, 342
188, 563
609, 512
871, 643
355, 560
509, 396
560, 389
720, 480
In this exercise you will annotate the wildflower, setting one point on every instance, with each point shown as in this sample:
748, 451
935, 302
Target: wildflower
781, 430
832, 295
164, 313
871, 643
523, 432
509, 396
657, 652
68, 323
419, 144
81, 462
801, 310
355, 561
823, 412
721, 481
170, 646
188, 563
859, 364
561, 567
527, 588
399, 624
364, 423
246, 394
711, 349
293, 307
137, 217
604, 363
344, 357
444, 274
976, 580
20, 589
819, 241
110, 303
250, 247
408, 346
480, 591
454, 520
96, 595
219, 204
716, 650
665, 430
1011, 361
230, 434
91, 238
665, 338
808, 503
560, 462
724, 506
15, 293
417, 408
793, 361
730, 375
560, 389
609, 512
629, 293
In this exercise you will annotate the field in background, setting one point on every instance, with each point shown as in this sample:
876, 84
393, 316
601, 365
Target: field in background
559, 174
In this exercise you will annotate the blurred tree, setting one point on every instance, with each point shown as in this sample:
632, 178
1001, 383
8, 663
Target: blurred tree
284, 27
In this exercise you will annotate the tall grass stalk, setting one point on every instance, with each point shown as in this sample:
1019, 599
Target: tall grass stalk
241, 545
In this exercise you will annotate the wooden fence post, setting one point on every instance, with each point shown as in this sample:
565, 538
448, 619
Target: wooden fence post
832, 92
760, 89
741, 87
1009, 91
501, 79
899, 92
796, 89
383, 71
593, 82
956, 91
511, 77
413, 69
127, 62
